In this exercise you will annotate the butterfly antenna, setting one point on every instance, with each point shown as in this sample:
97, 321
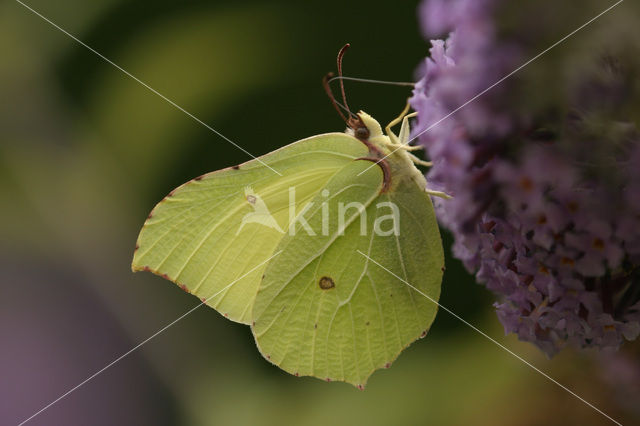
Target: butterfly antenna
327, 88
340, 57
372, 81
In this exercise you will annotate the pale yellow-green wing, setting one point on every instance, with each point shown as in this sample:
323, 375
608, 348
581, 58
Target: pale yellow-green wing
338, 307
214, 235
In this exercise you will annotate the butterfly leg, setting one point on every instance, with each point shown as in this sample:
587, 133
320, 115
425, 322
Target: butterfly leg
405, 132
405, 147
439, 194
420, 162
405, 129
402, 141
398, 119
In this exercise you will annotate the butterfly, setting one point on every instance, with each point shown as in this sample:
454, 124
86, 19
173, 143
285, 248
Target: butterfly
322, 247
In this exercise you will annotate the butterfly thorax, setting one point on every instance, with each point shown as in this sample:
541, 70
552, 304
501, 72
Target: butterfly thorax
389, 155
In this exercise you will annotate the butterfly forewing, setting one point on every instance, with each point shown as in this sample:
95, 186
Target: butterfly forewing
214, 235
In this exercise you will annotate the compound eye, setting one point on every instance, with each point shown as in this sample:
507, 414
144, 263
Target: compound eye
362, 133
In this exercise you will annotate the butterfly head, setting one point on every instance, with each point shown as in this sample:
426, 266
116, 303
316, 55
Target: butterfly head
365, 127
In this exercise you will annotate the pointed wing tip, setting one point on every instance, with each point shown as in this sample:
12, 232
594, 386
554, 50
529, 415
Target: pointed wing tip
135, 266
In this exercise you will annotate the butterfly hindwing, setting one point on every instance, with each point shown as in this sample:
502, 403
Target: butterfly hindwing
324, 309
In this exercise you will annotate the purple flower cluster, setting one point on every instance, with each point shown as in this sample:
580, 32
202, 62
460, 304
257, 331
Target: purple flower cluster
546, 187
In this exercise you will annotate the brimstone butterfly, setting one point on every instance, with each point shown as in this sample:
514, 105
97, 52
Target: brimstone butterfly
285, 253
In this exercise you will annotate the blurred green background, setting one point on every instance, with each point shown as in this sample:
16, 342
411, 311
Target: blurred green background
85, 154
